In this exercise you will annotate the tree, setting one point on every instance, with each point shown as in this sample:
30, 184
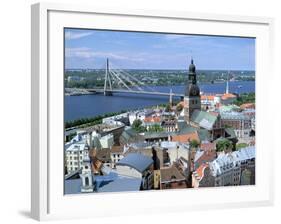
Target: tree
155, 128
224, 144
168, 108
194, 143
136, 124
245, 98
179, 107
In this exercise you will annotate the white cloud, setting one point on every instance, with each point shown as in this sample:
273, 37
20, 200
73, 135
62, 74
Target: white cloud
76, 35
86, 53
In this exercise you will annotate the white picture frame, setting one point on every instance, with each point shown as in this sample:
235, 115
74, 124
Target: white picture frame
48, 201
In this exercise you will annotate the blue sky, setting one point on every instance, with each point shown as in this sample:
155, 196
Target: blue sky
137, 50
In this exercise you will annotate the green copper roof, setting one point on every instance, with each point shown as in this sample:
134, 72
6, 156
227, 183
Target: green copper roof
129, 134
204, 135
185, 128
230, 132
203, 119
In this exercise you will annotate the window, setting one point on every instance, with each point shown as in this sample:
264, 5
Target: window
87, 181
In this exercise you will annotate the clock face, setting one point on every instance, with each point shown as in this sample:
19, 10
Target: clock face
194, 92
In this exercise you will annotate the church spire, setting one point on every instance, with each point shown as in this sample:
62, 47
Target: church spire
192, 93
227, 84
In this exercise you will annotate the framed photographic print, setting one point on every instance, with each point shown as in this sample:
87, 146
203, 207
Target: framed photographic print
148, 111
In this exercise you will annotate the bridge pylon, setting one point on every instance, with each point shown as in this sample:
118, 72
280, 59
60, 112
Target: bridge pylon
171, 98
107, 90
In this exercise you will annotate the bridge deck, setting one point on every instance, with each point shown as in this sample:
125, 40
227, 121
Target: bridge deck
136, 92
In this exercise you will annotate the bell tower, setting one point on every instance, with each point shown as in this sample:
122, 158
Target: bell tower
192, 99
86, 175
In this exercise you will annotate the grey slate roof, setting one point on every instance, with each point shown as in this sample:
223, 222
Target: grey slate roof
121, 184
234, 116
72, 186
137, 161
107, 183
149, 135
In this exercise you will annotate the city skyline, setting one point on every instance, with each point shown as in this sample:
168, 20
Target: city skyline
197, 141
88, 49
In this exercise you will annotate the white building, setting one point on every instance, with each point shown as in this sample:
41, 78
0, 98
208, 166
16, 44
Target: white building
139, 115
227, 168
176, 150
116, 154
115, 120
74, 155
107, 141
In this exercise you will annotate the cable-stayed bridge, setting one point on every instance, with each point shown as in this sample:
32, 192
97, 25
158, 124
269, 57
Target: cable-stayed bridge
120, 81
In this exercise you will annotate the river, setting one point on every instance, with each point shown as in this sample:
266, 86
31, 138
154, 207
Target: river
84, 106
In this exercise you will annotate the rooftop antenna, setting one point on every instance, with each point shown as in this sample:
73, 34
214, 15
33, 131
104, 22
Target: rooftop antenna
171, 97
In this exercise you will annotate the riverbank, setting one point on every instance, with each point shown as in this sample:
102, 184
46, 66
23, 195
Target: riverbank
87, 122
88, 106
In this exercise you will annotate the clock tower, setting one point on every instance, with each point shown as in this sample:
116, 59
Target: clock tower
192, 99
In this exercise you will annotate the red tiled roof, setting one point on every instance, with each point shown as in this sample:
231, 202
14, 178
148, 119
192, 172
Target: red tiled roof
152, 119
248, 106
186, 137
208, 156
228, 96
208, 146
207, 97
200, 170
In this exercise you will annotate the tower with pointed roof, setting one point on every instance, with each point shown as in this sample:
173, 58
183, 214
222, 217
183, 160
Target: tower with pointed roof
192, 100
227, 84
86, 175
